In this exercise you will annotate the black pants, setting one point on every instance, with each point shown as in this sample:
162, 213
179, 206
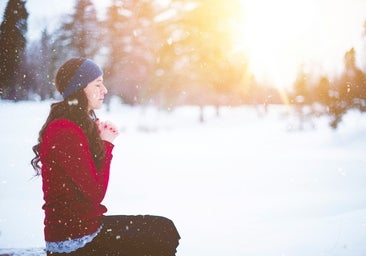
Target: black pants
142, 235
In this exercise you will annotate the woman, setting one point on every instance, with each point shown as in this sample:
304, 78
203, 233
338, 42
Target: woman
73, 156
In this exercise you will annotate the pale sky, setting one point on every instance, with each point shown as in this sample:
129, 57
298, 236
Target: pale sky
281, 35
278, 36
44, 13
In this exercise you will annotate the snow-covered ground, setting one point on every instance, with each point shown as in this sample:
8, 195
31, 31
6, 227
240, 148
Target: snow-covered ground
238, 184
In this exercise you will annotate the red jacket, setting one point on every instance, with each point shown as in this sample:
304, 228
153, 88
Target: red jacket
72, 185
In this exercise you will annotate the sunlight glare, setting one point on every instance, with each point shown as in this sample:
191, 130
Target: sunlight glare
272, 36
280, 37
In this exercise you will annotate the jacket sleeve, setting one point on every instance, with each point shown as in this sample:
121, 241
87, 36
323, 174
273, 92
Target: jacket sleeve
69, 147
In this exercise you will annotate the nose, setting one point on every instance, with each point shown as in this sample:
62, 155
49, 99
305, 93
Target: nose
104, 89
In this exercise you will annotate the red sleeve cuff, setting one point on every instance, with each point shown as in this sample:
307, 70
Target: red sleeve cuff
108, 149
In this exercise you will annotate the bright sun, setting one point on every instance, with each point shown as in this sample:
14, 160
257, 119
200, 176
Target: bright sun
273, 35
281, 36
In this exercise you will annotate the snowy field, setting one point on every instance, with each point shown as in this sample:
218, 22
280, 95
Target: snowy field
238, 184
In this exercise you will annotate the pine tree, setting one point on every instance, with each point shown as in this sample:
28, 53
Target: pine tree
349, 90
129, 39
80, 34
12, 46
194, 59
41, 67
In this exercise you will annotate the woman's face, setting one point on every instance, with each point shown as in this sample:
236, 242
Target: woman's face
95, 92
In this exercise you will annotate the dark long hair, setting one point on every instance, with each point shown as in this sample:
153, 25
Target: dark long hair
75, 109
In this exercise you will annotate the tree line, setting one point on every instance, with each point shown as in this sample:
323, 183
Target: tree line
168, 54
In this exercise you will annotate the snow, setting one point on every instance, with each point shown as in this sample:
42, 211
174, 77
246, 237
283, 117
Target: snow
242, 183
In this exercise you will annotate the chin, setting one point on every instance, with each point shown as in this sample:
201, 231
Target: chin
96, 107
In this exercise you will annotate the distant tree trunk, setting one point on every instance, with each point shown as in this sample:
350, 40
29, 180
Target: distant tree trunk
202, 114
217, 108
